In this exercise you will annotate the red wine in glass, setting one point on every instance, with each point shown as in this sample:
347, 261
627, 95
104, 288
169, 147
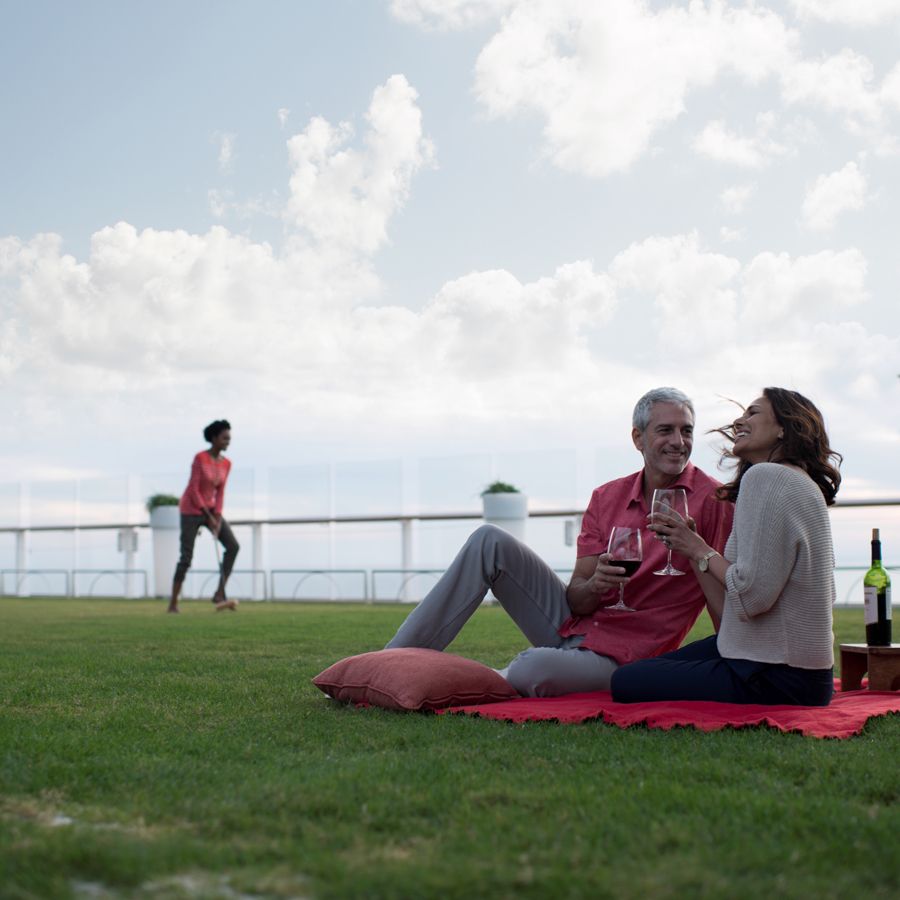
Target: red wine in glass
629, 565
625, 551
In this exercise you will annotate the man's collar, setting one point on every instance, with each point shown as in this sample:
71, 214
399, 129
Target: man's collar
685, 480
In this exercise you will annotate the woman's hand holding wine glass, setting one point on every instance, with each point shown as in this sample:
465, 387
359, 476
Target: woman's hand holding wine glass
672, 503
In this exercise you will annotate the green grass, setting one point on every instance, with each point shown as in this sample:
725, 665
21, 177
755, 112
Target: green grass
153, 756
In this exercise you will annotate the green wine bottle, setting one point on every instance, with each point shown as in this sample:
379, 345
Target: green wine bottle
877, 588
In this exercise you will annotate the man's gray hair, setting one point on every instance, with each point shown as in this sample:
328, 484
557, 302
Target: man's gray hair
640, 418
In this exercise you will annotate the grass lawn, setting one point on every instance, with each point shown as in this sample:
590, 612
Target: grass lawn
153, 756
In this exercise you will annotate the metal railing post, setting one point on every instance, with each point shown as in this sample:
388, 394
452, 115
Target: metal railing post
406, 553
256, 531
21, 559
131, 542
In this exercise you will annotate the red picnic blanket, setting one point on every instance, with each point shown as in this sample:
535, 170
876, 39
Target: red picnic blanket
844, 717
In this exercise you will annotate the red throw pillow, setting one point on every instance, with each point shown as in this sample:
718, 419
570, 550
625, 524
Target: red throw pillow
412, 678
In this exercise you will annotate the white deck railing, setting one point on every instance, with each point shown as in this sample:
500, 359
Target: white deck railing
282, 583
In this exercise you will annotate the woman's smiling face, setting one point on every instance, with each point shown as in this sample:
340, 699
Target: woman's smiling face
757, 432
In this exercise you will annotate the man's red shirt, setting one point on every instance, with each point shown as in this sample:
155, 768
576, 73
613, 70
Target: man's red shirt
666, 606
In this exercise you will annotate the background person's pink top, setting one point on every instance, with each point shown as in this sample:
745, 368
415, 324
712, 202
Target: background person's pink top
666, 606
206, 489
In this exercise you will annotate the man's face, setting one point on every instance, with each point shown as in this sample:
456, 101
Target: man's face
667, 441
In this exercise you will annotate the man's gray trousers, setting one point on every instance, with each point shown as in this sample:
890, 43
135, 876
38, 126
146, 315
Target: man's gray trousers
533, 596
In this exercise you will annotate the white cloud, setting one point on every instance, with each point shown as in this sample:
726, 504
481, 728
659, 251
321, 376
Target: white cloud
226, 151
843, 83
154, 315
690, 288
283, 114
735, 198
782, 320
540, 326
222, 204
846, 85
160, 318
606, 77
343, 196
449, 14
856, 383
890, 88
141, 303
155, 319
717, 142
141, 299
832, 195
785, 294
219, 201
733, 327
730, 235
848, 12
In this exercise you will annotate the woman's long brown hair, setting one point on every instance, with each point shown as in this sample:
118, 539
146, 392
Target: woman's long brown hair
805, 444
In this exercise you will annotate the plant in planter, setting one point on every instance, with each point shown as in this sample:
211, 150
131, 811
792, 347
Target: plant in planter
165, 522
161, 500
500, 487
506, 506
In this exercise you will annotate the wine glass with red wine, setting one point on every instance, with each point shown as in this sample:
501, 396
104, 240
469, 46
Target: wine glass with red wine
626, 553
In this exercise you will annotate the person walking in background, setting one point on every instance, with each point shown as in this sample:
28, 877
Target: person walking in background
201, 504
774, 584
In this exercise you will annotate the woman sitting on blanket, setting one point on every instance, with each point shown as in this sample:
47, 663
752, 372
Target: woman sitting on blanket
774, 587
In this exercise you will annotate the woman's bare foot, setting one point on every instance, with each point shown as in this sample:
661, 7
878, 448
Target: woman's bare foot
173, 608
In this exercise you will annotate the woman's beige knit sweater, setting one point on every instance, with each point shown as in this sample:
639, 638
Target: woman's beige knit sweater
779, 590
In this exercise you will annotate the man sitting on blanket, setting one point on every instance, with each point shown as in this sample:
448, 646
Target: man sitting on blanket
578, 639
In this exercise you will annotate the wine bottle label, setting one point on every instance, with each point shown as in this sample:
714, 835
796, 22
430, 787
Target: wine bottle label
870, 595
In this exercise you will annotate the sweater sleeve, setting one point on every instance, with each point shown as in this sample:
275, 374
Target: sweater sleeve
766, 546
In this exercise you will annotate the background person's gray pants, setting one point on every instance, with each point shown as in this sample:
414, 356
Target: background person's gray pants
533, 596
190, 525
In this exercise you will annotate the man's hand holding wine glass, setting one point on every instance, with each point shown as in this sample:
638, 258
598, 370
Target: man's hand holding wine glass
608, 575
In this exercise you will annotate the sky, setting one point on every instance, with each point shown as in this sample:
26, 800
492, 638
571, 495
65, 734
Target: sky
359, 229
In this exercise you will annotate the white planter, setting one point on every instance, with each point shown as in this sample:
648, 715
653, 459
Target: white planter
165, 524
508, 511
